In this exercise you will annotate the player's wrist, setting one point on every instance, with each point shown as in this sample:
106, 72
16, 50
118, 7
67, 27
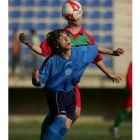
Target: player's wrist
29, 44
109, 74
113, 52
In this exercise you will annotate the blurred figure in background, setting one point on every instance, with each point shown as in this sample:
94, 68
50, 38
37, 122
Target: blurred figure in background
35, 39
16, 49
127, 106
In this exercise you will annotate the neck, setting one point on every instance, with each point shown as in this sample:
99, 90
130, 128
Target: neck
75, 28
66, 54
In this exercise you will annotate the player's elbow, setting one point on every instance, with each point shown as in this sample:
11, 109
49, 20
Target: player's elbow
77, 113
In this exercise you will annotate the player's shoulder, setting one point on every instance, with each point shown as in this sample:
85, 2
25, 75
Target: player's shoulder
87, 33
50, 60
53, 57
80, 47
90, 37
46, 62
83, 47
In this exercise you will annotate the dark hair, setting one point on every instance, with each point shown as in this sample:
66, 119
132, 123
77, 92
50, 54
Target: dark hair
52, 38
32, 31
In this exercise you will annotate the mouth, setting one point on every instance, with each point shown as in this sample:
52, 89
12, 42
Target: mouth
68, 44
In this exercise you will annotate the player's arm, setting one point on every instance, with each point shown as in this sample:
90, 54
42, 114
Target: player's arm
39, 78
35, 47
92, 51
117, 52
108, 73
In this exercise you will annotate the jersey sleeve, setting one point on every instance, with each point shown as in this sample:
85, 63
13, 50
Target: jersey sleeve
92, 42
98, 58
44, 71
90, 53
46, 50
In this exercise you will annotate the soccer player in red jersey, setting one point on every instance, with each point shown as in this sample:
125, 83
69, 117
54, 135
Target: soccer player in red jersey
127, 104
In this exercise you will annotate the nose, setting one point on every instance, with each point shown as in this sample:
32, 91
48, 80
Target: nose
67, 38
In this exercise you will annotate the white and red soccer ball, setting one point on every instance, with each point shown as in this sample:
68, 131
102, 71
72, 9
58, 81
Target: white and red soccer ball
72, 10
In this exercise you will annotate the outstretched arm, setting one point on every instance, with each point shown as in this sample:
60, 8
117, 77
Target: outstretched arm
117, 52
35, 47
109, 74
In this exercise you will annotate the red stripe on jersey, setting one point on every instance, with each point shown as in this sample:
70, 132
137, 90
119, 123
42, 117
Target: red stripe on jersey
91, 39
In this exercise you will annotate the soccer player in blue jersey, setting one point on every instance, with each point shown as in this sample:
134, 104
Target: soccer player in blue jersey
60, 74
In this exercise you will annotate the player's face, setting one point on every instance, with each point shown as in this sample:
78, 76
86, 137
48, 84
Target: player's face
64, 42
77, 22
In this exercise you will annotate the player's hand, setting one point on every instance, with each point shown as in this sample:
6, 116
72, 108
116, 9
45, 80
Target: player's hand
114, 78
35, 77
23, 38
35, 73
118, 52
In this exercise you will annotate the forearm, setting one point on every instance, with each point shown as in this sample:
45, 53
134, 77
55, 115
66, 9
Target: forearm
103, 68
109, 74
104, 50
35, 47
35, 81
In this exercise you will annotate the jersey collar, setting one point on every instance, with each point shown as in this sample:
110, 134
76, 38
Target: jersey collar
67, 28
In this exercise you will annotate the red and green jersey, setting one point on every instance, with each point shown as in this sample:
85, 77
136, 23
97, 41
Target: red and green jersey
81, 38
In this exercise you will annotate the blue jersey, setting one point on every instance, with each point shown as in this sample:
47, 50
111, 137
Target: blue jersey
60, 74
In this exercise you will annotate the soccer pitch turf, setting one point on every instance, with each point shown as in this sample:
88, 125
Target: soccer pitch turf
29, 129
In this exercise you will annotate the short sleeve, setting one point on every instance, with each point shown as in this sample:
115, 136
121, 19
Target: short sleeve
98, 58
91, 53
46, 50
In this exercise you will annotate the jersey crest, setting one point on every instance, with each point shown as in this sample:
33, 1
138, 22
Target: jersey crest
68, 72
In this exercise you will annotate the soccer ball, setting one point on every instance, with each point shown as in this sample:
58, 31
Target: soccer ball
72, 10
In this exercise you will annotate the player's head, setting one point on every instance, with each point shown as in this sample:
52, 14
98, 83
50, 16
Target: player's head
32, 32
58, 40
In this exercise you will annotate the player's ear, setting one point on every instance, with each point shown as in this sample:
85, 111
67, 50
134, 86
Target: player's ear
56, 45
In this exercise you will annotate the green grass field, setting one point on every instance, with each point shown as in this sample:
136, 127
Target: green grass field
29, 129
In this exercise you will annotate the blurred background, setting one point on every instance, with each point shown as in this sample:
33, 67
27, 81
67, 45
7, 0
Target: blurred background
109, 22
